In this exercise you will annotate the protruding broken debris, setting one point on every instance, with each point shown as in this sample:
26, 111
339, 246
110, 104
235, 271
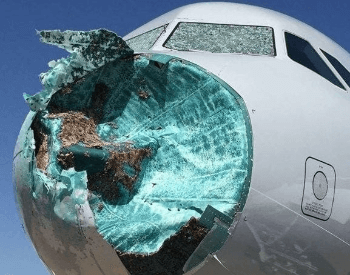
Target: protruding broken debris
76, 127
41, 144
171, 257
66, 160
143, 95
89, 50
105, 170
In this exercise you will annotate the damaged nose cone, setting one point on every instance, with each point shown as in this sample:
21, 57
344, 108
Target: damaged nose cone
146, 157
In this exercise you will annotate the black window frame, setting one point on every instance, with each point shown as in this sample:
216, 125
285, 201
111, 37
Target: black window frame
338, 66
297, 53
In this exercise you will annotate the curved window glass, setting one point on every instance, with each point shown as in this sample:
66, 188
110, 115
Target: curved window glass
145, 41
222, 38
344, 73
302, 52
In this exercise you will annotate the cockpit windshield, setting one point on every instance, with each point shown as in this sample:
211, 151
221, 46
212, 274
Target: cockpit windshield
222, 38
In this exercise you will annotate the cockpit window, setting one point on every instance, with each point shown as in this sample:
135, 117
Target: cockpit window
222, 38
302, 52
344, 73
145, 41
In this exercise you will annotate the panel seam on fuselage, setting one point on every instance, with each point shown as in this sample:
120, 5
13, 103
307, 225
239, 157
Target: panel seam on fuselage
301, 216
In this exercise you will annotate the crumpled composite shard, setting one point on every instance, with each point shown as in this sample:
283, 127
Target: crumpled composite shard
83, 47
173, 140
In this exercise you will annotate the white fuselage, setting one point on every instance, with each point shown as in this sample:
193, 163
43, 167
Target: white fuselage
295, 114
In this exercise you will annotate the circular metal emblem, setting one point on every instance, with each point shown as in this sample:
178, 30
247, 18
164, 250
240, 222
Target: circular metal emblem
320, 185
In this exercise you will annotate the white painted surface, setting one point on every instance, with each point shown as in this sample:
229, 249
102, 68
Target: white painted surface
295, 114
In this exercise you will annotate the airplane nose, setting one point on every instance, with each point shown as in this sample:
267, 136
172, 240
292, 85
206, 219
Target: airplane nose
161, 149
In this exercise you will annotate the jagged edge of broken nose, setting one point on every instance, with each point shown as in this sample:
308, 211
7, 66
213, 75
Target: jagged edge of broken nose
89, 50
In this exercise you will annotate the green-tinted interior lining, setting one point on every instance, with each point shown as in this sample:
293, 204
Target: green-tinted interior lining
197, 131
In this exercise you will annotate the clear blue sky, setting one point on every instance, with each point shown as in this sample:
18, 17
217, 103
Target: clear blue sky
23, 58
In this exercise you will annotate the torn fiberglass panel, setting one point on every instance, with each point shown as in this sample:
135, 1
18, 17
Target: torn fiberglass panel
222, 38
145, 144
89, 51
189, 143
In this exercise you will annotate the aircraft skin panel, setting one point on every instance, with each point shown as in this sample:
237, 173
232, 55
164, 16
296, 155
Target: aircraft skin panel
270, 238
211, 265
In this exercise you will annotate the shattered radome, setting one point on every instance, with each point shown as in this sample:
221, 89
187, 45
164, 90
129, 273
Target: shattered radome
138, 147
